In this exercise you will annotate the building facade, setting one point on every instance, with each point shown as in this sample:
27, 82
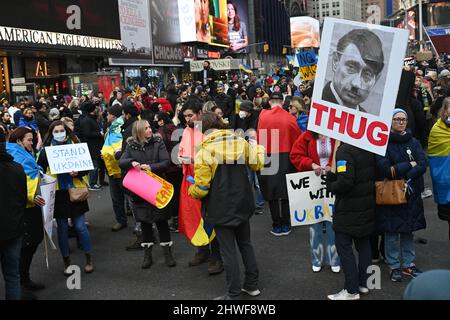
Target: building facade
341, 9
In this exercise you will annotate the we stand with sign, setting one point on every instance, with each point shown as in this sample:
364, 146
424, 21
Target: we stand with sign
309, 199
357, 82
69, 158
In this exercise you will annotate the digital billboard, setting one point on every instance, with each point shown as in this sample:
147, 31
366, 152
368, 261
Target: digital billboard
237, 12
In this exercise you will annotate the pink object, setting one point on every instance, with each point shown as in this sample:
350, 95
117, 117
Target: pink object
142, 185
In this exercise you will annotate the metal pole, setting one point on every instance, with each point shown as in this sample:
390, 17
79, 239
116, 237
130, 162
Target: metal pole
421, 26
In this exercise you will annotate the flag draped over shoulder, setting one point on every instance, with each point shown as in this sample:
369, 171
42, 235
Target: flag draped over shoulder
439, 158
191, 223
113, 142
30, 166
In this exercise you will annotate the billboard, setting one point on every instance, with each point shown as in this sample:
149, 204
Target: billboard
166, 32
305, 32
135, 27
238, 26
358, 66
204, 21
61, 24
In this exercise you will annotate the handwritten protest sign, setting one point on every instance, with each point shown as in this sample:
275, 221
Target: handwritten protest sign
69, 158
307, 61
150, 187
310, 201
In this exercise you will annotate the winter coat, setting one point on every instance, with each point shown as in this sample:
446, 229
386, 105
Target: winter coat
127, 131
304, 152
13, 195
90, 134
353, 185
221, 178
226, 104
248, 123
43, 123
401, 151
153, 153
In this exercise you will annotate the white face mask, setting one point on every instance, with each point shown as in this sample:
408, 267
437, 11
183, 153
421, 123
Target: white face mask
243, 114
60, 136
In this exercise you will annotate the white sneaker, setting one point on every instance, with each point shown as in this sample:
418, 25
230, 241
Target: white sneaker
254, 293
344, 295
363, 290
316, 269
427, 193
336, 269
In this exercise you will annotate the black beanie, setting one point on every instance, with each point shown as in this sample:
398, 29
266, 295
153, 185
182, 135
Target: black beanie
247, 106
130, 108
87, 107
115, 110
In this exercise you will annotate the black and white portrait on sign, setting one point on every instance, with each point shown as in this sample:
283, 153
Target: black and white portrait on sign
357, 68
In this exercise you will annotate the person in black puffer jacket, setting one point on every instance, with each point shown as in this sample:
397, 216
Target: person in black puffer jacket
406, 156
146, 152
354, 217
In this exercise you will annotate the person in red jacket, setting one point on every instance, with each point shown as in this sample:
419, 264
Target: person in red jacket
165, 105
314, 152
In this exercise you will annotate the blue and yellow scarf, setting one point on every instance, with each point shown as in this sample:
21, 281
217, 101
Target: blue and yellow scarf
113, 142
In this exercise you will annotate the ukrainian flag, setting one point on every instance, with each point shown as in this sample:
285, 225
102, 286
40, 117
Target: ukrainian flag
439, 158
113, 142
31, 168
246, 68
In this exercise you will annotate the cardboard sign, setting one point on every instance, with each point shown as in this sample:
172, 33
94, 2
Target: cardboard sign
69, 158
309, 200
356, 84
150, 187
410, 61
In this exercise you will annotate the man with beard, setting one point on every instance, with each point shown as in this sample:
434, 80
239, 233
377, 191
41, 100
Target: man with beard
226, 104
5, 121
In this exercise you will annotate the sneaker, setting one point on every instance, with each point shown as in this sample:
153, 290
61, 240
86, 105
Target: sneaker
344, 295
259, 212
427, 194
252, 293
198, 259
336, 269
396, 275
95, 188
277, 232
118, 226
224, 297
316, 269
215, 267
363, 290
286, 230
412, 272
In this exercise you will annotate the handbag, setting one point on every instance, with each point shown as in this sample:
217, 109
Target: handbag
391, 192
79, 194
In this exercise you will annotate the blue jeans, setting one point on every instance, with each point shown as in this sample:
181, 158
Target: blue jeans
9, 259
118, 200
79, 223
396, 244
260, 202
319, 250
93, 175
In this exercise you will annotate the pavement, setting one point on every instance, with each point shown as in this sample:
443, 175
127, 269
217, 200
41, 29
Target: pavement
284, 263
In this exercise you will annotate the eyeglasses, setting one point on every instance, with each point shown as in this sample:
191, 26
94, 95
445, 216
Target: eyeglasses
400, 120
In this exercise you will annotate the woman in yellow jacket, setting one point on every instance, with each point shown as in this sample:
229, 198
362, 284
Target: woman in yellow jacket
221, 181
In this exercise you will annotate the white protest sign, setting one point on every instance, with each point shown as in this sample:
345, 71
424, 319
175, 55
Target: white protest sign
48, 193
357, 81
69, 158
309, 200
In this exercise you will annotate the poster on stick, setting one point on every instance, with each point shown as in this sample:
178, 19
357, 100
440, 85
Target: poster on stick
309, 200
357, 82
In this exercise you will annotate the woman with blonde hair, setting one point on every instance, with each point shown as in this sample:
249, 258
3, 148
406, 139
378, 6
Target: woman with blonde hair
146, 152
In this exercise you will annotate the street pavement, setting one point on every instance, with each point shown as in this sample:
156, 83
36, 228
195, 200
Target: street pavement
284, 264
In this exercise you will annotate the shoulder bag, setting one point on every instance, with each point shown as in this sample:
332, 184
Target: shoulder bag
79, 194
391, 192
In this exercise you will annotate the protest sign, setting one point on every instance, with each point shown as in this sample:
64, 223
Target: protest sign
356, 84
307, 61
149, 187
48, 193
410, 61
309, 200
69, 158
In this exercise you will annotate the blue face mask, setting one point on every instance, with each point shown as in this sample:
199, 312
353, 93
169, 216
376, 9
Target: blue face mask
60, 136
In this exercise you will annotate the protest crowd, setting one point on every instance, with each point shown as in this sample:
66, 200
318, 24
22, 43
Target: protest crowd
212, 143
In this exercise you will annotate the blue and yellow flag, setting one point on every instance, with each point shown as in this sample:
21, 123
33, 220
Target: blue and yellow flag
113, 143
246, 68
30, 166
439, 158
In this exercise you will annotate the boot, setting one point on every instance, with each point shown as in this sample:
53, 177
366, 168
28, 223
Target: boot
137, 245
89, 268
148, 260
170, 262
67, 264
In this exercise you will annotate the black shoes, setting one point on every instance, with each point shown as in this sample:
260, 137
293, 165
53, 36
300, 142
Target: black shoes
33, 286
